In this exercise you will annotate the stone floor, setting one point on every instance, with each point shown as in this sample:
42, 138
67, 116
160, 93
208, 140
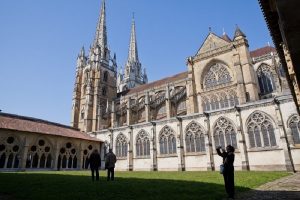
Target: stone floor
287, 188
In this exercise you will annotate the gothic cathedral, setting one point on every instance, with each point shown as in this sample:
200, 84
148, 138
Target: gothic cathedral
228, 95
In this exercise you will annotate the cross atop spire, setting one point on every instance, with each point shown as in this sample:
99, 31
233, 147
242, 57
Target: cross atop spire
101, 35
133, 52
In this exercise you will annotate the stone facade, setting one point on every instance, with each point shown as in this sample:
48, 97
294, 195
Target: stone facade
228, 95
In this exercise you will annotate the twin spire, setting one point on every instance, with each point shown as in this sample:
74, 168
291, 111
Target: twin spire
133, 52
101, 34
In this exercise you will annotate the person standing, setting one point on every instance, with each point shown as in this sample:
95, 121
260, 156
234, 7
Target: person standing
228, 172
110, 162
95, 163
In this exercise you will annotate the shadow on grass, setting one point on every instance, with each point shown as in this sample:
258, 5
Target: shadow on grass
36, 186
269, 195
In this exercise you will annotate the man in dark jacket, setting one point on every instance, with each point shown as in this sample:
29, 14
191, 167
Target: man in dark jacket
110, 165
95, 163
228, 172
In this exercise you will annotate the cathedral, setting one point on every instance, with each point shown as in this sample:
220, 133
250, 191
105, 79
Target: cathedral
227, 95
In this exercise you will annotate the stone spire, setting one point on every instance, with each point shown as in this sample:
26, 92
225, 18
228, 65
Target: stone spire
101, 35
238, 32
133, 52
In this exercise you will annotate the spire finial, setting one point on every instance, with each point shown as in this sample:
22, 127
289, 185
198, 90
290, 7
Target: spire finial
224, 31
209, 29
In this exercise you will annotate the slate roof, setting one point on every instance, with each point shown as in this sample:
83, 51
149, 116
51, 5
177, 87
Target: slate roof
262, 51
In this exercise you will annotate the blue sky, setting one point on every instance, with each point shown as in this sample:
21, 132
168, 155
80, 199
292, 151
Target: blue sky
40, 40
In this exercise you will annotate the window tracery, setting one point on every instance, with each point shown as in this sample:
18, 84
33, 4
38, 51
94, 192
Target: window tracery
265, 79
9, 152
217, 74
67, 158
121, 145
142, 144
224, 133
294, 125
260, 131
167, 141
194, 138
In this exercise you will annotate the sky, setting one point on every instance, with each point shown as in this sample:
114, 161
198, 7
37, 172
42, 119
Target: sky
40, 41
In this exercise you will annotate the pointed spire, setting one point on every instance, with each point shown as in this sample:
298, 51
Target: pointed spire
238, 32
225, 36
82, 52
133, 52
101, 35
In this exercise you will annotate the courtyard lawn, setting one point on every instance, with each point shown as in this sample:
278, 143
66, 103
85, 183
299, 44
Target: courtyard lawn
77, 185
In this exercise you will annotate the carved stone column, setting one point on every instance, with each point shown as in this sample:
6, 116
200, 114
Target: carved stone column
24, 154
241, 140
180, 150
130, 150
153, 148
208, 145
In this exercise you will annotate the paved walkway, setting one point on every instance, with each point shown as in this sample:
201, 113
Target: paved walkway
286, 188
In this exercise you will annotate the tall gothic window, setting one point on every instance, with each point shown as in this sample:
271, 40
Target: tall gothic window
121, 146
105, 76
217, 74
224, 133
142, 144
167, 141
294, 124
260, 131
194, 138
265, 79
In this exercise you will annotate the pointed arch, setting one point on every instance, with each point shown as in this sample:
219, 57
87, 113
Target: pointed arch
266, 78
142, 144
194, 137
216, 74
167, 140
224, 132
121, 145
261, 128
294, 124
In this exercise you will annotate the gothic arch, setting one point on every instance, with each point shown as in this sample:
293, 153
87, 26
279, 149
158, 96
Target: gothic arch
224, 132
121, 145
68, 155
40, 153
194, 137
267, 78
87, 151
10, 148
142, 143
167, 140
261, 130
215, 74
294, 124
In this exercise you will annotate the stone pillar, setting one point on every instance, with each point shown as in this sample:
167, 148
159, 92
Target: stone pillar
128, 120
80, 156
147, 107
153, 148
241, 140
208, 145
24, 154
56, 154
180, 150
168, 103
113, 114
200, 107
130, 150
283, 137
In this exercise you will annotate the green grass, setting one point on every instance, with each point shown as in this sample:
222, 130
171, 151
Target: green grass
77, 185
